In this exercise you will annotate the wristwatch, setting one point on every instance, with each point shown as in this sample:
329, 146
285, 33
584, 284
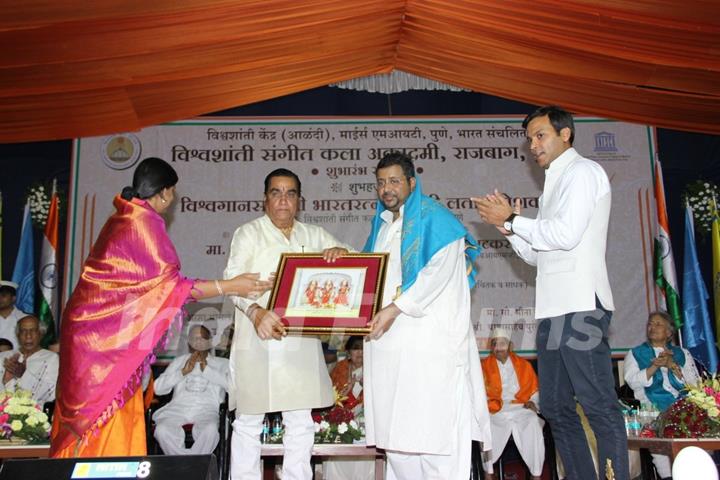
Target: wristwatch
508, 222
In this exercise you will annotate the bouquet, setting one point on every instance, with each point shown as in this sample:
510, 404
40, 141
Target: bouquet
336, 425
22, 418
701, 196
697, 415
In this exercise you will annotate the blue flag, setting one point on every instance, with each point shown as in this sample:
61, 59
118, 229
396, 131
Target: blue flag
697, 331
24, 273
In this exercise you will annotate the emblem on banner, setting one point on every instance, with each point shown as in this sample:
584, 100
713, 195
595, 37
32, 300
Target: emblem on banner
605, 142
121, 151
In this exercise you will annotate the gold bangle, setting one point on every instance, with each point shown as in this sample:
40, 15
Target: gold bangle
219, 289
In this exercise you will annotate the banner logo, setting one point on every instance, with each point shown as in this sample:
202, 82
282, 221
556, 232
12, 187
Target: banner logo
605, 142
120, 152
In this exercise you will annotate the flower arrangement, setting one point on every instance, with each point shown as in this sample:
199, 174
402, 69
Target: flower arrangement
696, 415
336, 425
22, 417
39, 196
701, 197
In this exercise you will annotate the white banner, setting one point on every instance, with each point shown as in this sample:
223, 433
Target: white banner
222, 162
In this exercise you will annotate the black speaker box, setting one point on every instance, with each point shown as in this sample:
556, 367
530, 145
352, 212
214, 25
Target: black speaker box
153, 467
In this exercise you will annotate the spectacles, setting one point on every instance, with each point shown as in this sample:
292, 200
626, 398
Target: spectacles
394, 182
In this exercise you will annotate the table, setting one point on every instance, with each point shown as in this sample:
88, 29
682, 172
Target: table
357, 451
670, 446
24, 451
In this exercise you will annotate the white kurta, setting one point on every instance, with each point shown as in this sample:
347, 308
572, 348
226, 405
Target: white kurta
274, 375
40, 375
196, 399
8, 326
637, 378
414, 372
514, 419
197, 395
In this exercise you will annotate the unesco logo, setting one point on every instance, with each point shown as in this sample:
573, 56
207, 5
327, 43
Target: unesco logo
605, 142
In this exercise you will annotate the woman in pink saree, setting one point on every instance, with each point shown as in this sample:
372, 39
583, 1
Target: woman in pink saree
129, 294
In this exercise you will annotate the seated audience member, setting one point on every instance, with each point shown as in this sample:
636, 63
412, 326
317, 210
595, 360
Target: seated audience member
198, 381
347, 378
6, 345
30, 367
657, 371
9, 314
512, 393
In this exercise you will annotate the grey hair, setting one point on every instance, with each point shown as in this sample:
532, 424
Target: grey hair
41, 326
665, 316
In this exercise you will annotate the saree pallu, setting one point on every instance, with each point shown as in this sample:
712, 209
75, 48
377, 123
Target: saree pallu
129, 293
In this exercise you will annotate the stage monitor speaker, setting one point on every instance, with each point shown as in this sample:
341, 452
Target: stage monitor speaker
155, 467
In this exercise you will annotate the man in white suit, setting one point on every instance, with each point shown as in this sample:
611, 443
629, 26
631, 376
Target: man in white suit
270, 372
573, 301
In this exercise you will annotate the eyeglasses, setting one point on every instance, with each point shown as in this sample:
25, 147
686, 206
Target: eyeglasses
394, 182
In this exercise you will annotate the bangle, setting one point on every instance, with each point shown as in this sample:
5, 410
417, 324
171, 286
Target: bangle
250, 310
219, 289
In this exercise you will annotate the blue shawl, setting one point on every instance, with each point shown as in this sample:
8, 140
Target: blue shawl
427, 228
644, 355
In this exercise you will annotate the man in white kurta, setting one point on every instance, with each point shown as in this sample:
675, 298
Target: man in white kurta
30, 367
9, 313
515, 411
424, 393
659, 375
198, 381
270, 372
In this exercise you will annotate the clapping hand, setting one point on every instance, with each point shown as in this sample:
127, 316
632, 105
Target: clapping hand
495, 208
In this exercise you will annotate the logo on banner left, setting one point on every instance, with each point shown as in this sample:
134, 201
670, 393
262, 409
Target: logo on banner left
121, 151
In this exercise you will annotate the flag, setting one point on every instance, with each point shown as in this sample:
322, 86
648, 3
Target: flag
697, 331
47, 274
665, 277
716, 265
24, 272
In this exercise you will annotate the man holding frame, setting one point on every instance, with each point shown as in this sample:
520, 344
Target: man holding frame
270, 372
424, 392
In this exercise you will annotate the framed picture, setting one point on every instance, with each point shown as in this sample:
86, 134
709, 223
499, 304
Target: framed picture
313, 296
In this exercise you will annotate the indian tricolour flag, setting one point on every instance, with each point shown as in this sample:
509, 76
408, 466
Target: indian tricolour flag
48, 310
665, 276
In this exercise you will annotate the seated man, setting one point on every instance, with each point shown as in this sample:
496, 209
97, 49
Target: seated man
512, 393
657, 372
198, 381
30, 367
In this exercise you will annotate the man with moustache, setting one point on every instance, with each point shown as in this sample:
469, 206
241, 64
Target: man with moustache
424, 393
573, 300
270, 372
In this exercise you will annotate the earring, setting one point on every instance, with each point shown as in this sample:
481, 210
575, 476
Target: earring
163, 200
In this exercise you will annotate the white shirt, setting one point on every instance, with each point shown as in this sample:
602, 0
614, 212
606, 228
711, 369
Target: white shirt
197, 393
511, 386
567, 240
40, 374
637, 379
8, 326
274, 375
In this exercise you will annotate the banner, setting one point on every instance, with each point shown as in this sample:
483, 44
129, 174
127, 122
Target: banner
222, 163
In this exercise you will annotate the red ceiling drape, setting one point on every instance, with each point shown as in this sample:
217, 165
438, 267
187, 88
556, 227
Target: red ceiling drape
70, 68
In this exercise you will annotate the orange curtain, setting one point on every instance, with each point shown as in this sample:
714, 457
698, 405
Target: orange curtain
69, 70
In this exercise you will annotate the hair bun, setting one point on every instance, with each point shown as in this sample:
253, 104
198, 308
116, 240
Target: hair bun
128, 193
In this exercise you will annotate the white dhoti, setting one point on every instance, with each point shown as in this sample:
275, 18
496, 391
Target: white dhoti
526, 429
